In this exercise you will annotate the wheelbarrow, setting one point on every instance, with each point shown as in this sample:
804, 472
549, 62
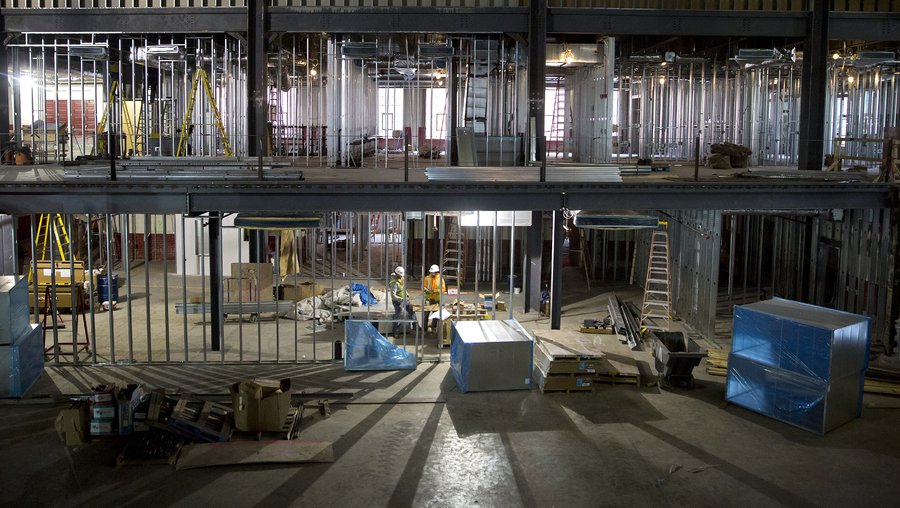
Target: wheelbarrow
676, 356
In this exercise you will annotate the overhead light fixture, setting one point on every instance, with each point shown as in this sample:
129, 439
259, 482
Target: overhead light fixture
567, 56
89, 52
850, 79
161, 50
836, 56
662, 80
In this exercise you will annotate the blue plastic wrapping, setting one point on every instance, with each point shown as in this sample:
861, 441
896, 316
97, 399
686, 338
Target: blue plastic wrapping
366, 349
805, 339
22, 363
491, 355
365, 295
806, 402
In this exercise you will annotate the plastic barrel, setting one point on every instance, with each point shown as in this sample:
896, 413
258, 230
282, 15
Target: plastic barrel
107, 284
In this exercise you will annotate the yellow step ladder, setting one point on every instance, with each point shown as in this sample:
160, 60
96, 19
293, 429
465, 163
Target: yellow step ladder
52, 223
201, 77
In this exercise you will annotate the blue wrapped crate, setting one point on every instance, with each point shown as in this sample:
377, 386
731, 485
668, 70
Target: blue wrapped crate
22, 363
366, 349
491, 355
809, 403
806, 339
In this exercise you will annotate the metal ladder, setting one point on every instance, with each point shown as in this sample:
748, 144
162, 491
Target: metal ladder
201, 77
558, 121
453, 262
656, 310
54, 222
484, 56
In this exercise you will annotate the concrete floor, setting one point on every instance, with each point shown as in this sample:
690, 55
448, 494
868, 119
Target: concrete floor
411, 439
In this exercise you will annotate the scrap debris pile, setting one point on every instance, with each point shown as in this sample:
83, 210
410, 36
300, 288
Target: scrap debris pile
163, 427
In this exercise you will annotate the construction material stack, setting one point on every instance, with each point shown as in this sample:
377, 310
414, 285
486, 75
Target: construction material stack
21, 343
798, 363
568, 361
491, 355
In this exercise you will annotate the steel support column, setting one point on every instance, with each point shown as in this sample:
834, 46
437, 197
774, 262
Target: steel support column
534, 244
453, 107
256, 77
537, 57
812, 88
4, 96
256, 104
215, 280
556, 272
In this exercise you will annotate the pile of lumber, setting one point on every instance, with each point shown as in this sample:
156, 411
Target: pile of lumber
568, 361
717, 362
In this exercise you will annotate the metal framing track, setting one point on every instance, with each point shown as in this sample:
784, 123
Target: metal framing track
843, 25
280, 197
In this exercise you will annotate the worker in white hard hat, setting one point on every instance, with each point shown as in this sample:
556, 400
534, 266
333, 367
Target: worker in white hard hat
397, 290
433, 285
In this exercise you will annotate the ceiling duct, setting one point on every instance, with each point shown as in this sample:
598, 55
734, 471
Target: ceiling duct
870, 58
755, 56
559, 54
89, 52
645, 58
435, 51
359, 50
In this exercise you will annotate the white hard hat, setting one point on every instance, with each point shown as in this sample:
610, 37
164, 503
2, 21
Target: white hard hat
434, 269
400, 271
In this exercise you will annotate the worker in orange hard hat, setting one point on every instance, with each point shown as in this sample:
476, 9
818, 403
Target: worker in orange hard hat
433, 285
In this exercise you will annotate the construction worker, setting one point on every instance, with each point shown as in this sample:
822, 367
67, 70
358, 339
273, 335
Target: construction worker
397, 290
433, 285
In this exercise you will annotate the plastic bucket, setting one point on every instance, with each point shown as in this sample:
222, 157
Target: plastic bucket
106, 285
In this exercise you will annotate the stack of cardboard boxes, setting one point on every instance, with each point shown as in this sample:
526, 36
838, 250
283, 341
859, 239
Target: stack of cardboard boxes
117, 409
21, 343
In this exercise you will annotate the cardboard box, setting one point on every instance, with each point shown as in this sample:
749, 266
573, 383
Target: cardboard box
261, 404
129, 399
103, 412
14, 314
73, 424
105, 393
258, 273
102, 427
302, 290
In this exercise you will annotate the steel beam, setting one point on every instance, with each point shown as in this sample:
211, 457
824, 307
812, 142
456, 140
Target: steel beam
215, 281
534, 246
112, 197
844, 25
677, 22
813, 84
870, 26
155, 20
399, 20
537, 52
4, 98
559, 236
